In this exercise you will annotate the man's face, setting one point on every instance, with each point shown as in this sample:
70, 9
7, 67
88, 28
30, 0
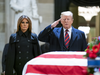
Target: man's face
66, 21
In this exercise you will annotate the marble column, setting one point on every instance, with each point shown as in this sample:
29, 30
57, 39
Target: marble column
9, 18
74, 10
97, 25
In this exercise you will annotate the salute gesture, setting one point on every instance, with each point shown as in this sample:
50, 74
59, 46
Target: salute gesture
54, 24
55, 35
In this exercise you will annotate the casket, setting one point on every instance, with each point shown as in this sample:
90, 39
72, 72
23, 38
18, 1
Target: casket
57, 63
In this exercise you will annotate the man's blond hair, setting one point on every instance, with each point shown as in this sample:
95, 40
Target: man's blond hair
67, 13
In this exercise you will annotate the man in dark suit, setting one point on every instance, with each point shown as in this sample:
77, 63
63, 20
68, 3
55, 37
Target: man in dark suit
4, 55
65, 38
3, 58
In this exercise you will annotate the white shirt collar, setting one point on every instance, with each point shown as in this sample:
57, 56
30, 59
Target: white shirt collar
69, 30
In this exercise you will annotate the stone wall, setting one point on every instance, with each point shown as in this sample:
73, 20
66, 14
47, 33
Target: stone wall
2, 16
2, 25
2, 29
46, 10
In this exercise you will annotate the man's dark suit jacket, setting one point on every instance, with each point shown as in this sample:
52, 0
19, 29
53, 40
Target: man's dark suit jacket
56, 39
4, 56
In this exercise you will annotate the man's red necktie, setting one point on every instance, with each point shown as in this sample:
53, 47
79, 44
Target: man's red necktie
67, 39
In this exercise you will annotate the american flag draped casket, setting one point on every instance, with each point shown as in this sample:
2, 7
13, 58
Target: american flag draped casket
57, 63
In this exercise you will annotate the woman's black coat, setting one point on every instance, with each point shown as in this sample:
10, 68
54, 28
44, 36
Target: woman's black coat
11, 60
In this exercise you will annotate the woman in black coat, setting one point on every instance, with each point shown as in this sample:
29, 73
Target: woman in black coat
23, 46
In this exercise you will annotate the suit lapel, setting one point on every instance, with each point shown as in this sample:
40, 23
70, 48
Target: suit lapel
60, 37
59, 34
73, 36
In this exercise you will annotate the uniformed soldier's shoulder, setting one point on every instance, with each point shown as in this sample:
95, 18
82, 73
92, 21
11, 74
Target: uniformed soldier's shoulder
14, 34
13, 37
33, 34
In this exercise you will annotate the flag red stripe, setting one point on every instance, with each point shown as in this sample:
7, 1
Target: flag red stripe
55, 69
61, 56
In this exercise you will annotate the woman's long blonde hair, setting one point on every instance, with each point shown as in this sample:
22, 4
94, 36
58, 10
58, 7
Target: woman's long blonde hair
20, 20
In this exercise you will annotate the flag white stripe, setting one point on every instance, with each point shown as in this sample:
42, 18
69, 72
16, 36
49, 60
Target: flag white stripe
60, 61
66, 52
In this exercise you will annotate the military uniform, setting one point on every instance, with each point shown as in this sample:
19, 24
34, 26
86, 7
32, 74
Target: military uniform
23, 47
